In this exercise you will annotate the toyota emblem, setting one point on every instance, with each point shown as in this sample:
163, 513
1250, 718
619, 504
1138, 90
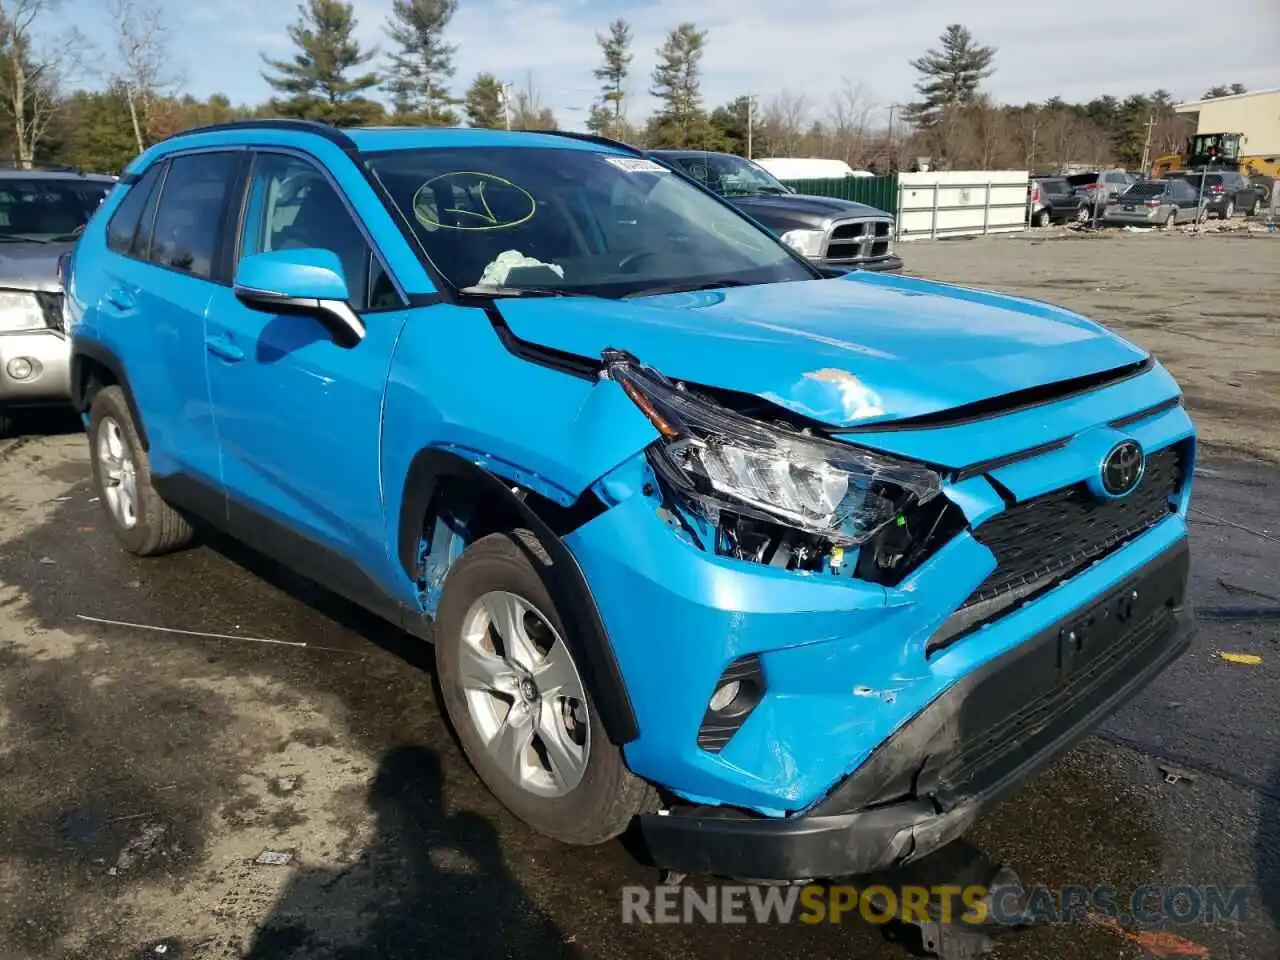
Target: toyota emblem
1122, 468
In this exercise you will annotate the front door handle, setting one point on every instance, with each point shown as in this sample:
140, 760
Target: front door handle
224, 348
120, 298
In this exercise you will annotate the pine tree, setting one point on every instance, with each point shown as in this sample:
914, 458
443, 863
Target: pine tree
950, 77
1222, 90
681, 120
422, 66
615, 47
317, 80
483, 102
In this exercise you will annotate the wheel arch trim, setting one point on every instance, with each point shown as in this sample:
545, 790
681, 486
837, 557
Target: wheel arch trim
593, 649
86, 353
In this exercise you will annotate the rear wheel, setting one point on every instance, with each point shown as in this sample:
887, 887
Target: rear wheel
143, 523
1171, 219
1256, 210
1043, 219
1229, 211
1082, 215
512, 689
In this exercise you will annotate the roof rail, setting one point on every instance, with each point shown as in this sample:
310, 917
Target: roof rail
589, 138
318, 127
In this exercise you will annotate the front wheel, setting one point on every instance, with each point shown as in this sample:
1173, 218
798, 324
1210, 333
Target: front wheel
144, 524
509, 676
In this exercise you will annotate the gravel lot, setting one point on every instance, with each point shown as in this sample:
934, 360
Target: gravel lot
142, 772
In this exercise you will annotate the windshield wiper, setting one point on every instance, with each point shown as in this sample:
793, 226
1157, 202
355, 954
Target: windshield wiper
686, 288
497, 290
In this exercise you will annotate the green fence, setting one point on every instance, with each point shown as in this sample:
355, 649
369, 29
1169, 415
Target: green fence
879, 192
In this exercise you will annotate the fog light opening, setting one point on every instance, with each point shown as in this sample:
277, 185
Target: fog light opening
21, 368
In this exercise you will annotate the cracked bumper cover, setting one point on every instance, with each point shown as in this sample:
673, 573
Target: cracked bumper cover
976, 743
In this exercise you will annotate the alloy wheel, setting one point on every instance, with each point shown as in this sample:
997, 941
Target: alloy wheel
524, 694
119, 475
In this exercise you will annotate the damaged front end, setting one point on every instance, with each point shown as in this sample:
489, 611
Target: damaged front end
779, 495
840, 655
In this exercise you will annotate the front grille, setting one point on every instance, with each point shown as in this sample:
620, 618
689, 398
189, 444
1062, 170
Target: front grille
1047, 539
859, 240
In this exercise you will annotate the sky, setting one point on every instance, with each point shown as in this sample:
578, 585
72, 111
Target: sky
758, 47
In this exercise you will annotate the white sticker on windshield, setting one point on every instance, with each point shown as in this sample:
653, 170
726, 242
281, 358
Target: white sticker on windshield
636, 164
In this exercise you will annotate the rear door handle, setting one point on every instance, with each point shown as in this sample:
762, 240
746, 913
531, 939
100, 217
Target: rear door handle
224, 348
120, 298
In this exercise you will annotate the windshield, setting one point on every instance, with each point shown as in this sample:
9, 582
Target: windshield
44, 210
728, 175
574, 221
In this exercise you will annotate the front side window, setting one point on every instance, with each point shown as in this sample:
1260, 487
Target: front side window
293, 206
47, 209
189, 221
575, 221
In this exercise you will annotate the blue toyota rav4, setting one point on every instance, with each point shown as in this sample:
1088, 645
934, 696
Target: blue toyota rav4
799, 570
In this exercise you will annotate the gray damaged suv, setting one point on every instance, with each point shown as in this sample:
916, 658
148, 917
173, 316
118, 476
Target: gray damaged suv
42, 213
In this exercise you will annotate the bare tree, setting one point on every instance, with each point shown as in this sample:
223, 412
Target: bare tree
528, 112
31, 70
782, 125
849, 118
146, 69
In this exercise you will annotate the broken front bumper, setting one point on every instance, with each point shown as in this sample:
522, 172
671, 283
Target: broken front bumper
985, 735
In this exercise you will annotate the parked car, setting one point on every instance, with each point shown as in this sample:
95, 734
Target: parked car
1098, 188
1156, 203
41, 214
1224, 193
828, 230
1054, 200
803, 572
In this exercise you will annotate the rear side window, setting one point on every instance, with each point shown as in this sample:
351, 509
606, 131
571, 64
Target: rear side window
188, 224
123, 225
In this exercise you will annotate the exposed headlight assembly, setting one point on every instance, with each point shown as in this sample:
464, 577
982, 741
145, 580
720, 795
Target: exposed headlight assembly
721, 460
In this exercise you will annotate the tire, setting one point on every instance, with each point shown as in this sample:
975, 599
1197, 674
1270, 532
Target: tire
1229, 210
1171, 220
1082, 214
1256, 209
601, 802
1043, 218
6, 424
143, 523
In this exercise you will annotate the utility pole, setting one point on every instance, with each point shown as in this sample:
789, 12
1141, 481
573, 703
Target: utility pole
751, 122
1146, 144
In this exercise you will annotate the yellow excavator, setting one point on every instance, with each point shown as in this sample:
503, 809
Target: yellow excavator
1219, 150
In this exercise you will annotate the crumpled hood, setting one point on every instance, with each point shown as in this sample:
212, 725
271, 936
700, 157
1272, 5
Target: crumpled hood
858, 349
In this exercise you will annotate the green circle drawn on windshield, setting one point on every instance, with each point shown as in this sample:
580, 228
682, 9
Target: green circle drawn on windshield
508, 206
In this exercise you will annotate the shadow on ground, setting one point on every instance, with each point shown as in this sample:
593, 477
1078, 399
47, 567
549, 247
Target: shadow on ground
444, 889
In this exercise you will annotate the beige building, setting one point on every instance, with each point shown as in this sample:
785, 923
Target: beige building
1256, 115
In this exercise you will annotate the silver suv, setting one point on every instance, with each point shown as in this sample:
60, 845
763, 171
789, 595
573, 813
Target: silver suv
42, 213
